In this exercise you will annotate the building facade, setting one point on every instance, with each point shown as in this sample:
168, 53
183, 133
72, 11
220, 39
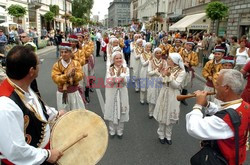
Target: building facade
134, 10
36, 9
119, 13
238, 21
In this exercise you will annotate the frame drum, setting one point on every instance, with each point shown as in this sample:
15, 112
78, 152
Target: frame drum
65, 138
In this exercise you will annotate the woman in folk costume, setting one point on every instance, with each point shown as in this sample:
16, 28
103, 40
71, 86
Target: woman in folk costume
67, 73
113, 43
145, 58
132, 49
109, 46
155, 66
116, 94
137, 63
167, 108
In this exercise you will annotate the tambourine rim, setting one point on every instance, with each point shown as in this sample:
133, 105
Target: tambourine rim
79, 110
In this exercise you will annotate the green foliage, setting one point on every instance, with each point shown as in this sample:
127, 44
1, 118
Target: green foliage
216, 10
16, 11
82, 8
77, 21
54, 9
49, 16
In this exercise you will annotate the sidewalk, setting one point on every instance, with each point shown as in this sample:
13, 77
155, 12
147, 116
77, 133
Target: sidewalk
46, 49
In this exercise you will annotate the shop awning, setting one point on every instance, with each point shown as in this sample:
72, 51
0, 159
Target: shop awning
2, 11
188, 21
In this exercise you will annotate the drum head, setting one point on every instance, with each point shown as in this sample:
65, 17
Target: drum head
87, 151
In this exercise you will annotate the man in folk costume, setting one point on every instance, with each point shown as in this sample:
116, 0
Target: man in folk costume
116, 94
137, 67
216, 127
24, 118
91, 60
177, 47
211, 70
145, 58
76, 53
67, 73
167, 108
165, 47
155, 66
190, 59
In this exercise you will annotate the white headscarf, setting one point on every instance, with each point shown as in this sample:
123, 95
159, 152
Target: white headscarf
115, 54
116, 48
177, 59
156, 50
138, 41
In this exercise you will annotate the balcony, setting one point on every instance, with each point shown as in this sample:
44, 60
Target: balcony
35, 4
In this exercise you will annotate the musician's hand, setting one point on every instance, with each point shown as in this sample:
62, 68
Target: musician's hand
201, 98
55, 156
61, 113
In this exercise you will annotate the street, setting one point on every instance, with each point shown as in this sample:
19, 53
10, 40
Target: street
140, 144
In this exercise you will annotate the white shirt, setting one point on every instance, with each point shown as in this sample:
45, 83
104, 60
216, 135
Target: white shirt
209, 127
98, 37
12, 141
241, 58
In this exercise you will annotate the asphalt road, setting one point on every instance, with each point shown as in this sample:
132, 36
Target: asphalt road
140, 145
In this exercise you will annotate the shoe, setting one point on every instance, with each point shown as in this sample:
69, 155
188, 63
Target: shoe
184, 102
119, 136
169, 142
136, 90
91, 90
150, 117
87, 99
162, 141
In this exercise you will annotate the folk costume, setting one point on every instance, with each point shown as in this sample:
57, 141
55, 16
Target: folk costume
145, 58
68, 96
246, 93
219, 128
210, 73
167, 108
165, 49
24, 125
133, 48
191, 58
175, 49
154, 83
116, 94
137, 64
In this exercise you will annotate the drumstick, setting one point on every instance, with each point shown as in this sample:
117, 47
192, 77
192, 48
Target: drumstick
74, 142
183, 97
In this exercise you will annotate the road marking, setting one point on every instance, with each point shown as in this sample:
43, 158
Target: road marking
101, 100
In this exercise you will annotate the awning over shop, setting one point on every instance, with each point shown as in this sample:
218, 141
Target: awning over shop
2, 11
194, 21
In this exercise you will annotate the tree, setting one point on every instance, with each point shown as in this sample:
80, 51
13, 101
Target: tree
17, 11
54, 9
82, 8
216, 11
77, 21
49, 16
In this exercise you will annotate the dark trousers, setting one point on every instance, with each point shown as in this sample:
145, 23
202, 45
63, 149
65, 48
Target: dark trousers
127, 57
98, 46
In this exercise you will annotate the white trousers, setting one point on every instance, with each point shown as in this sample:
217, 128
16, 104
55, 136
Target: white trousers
137, 84
151, 108
116, 128
165, 131
143, 96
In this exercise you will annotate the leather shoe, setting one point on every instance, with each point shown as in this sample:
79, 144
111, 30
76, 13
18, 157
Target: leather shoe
120, 136
162, 141
169, 142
